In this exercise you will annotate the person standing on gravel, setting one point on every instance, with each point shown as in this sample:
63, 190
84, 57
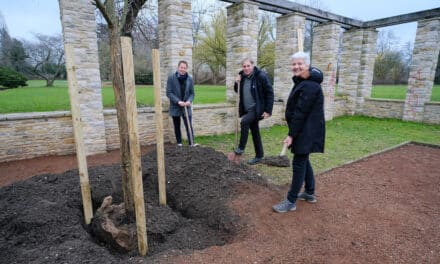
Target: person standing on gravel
256, 103
305, 119
180, 91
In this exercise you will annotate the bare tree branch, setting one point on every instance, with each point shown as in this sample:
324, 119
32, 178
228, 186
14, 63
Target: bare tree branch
130, 17
104, 13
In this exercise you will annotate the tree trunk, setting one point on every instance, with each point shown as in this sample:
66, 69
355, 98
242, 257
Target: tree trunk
49, 83
121, 110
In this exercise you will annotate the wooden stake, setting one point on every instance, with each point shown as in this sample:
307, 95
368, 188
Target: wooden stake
159, 128
299, 32
78, 133
135, 151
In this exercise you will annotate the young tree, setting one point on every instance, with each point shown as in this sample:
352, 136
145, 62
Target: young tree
120, 18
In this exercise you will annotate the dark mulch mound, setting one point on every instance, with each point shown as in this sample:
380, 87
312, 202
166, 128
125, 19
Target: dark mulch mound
41, 218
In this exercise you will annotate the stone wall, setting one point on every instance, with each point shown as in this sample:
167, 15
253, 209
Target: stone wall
78, 21
383, 108
29, 135
432, 113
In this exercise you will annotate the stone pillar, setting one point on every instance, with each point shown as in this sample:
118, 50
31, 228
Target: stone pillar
286, 44
241, 40
175, 38
349, 67
422, 69
366, 73
79, 29
325, 57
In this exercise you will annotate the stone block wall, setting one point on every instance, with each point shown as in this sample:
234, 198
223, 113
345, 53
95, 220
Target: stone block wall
325, 57
432, 113
30, 135
241, 40
383, 108
286, 44
79, 30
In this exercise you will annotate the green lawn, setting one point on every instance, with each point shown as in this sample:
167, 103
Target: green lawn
37, 98
347, 139
399, 92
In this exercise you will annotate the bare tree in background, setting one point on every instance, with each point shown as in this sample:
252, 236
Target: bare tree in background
46, 57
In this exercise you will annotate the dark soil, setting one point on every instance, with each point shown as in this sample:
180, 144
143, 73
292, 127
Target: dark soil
381, 209
41, 218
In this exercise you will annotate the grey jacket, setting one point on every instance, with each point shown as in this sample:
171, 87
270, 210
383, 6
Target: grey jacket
173, 93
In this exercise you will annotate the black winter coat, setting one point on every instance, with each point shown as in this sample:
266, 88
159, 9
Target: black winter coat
305, 114
261, 90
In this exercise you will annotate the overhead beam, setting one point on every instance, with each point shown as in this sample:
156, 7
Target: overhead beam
401, 19
286, 7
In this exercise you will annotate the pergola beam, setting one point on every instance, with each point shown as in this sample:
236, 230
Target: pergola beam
286, 7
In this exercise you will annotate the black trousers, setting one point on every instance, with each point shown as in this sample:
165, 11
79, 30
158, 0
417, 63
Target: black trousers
302, 172
250, 121
176, 123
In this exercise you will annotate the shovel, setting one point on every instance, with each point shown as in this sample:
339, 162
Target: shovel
191, 139
281, 161
232, 156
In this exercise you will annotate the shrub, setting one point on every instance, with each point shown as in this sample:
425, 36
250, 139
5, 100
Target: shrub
144, 78
11, 79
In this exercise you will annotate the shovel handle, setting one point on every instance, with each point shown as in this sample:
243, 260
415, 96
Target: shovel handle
283, 151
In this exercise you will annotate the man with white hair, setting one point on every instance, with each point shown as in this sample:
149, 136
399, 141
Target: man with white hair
305, 119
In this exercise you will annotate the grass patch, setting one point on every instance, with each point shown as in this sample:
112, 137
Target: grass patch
398, 92
36, 97
347, 138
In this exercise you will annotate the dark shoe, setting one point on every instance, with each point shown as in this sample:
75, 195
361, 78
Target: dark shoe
238, 151
303, 196
254, 161
284, 207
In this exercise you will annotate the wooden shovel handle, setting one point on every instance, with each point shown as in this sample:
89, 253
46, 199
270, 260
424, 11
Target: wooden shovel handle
283, 151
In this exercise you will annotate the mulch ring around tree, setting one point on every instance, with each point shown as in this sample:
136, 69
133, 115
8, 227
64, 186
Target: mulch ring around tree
41, 218
380, 209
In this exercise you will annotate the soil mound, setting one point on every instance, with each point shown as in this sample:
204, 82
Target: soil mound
41, 218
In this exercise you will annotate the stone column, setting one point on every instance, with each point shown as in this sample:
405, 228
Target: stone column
241, 40
325, 57
79, 29
366, 73
175, 38
286, 44
349, 67
422, 69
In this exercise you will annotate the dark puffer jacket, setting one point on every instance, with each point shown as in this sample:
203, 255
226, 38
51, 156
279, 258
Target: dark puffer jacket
305, 114
261, 90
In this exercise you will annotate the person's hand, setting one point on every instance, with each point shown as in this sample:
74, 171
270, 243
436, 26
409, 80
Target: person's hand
187, 103
238, 78
265, 115
181, 103
288, 141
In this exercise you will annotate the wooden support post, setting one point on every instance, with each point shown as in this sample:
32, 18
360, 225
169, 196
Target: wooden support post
300, 39
159, 128
135, 151
78, 133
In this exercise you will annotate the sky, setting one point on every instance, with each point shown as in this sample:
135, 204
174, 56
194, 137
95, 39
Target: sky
26, 17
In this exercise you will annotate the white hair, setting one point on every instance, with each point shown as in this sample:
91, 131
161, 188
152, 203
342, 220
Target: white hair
302, 55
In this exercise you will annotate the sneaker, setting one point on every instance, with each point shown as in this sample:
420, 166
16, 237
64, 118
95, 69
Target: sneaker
195, 145
284, 206
303, 196
254, 161
238, 151
179, 144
